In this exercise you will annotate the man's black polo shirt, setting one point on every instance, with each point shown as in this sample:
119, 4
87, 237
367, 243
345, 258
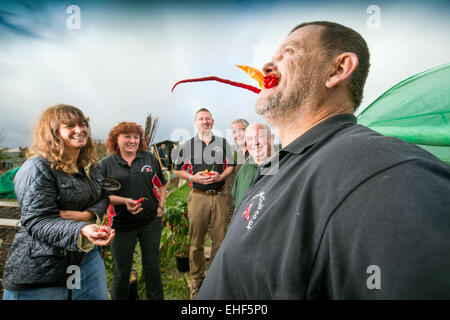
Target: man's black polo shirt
139, 180
349, 214
196, 156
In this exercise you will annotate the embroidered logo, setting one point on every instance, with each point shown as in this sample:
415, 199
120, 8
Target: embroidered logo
146, 168
248, 215
218, 149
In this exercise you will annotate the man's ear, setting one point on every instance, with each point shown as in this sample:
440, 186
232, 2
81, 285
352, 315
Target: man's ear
346, 63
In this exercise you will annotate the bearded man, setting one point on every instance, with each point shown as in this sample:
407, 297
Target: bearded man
349, 213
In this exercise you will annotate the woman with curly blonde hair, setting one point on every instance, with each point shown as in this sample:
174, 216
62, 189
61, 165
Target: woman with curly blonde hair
140, 175
59, 192
48, 142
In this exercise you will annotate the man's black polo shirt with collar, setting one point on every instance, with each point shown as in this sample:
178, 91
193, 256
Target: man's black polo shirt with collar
348, 214
195, 156
139, 180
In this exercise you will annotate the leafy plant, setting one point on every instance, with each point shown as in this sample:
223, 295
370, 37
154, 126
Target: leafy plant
175, 218
109, 263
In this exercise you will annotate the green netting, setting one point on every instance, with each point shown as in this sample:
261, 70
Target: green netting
7, 184
416, 110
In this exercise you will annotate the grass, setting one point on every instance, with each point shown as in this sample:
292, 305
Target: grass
181, 193
174, 283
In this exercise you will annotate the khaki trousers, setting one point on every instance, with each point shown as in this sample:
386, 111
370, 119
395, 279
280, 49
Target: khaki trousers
201, 209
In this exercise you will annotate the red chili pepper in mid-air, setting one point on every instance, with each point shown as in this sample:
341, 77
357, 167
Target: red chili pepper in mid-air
265, 82
233, 83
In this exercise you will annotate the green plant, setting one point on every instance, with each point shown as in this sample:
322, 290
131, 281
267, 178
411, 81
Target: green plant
109, 263
176, 220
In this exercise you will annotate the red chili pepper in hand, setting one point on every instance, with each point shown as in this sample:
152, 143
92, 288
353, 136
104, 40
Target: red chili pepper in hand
140, 200
107, 219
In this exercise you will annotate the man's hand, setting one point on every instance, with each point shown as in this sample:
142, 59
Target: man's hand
159, 212
214, 177
202, 178
98, 238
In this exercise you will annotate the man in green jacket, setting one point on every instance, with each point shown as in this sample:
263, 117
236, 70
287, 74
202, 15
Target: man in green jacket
258, 139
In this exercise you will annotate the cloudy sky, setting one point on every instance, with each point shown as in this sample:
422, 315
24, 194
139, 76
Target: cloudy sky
119, 60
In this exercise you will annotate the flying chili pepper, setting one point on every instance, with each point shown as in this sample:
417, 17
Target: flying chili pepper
265, 82
255, 74
233, 83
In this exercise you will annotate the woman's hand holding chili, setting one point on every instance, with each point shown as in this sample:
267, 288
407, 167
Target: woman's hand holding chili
133, 206
98, 238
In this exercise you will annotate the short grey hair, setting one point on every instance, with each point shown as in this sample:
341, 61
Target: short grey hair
243, 121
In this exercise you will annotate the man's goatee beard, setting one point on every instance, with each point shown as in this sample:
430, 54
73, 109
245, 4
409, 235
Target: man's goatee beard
274, 106
269, 105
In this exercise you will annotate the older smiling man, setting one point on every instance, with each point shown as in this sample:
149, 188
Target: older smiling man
258, 141
350, 214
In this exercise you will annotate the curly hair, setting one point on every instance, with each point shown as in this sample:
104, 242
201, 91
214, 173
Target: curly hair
125, 127
48, 143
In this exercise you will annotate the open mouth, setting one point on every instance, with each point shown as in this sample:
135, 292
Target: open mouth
80, 137
271, 80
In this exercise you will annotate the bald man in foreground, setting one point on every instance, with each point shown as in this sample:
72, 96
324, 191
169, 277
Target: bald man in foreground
349, 214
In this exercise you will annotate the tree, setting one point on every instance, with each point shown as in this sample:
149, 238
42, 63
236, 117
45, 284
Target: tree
3, 154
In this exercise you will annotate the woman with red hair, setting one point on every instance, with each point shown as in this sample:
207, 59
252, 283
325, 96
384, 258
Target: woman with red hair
141, 178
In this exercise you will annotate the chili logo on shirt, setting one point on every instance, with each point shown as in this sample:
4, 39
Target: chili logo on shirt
248, 215
146, 168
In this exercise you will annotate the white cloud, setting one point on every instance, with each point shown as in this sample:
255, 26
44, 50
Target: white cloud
122, 65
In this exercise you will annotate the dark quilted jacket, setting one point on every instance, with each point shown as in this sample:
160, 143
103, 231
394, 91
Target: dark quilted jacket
46, 243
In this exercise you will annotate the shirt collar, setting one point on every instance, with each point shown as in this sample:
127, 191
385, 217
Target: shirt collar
250, 160
303, 143
120, 160
197, 139
319, 132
